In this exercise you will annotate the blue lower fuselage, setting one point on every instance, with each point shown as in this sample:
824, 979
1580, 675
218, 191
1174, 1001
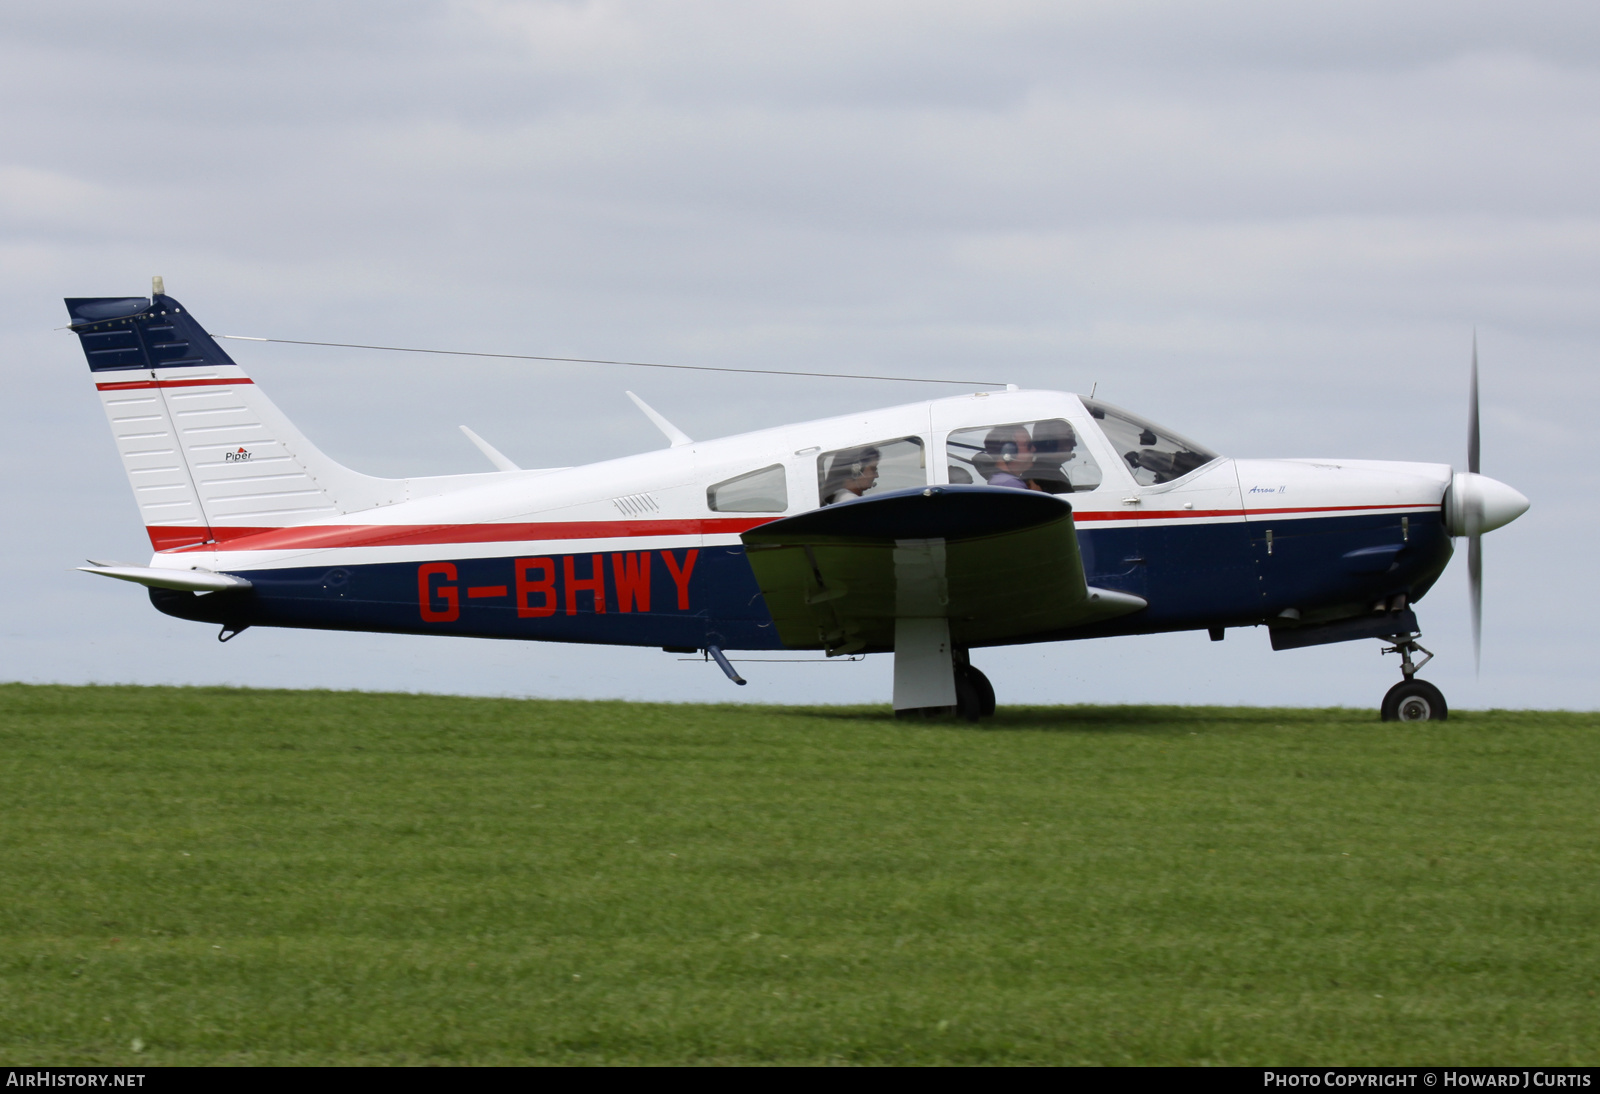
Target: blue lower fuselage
1194, 576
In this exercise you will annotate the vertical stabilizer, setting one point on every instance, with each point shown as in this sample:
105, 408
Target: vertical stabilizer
208, 455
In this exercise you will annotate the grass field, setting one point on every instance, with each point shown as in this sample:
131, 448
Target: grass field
221, 876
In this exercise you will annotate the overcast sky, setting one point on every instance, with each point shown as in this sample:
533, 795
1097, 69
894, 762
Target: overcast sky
1272, 227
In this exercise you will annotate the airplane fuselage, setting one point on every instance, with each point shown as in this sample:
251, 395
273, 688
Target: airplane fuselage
630, 551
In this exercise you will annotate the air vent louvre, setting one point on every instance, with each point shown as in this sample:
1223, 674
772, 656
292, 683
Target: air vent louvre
636, 505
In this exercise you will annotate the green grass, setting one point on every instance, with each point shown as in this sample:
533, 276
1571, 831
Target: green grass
233, 876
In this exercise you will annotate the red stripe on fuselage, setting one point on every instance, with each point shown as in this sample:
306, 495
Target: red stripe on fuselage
325, 536
1079, 515
1341, 508
1167, 514
126, 385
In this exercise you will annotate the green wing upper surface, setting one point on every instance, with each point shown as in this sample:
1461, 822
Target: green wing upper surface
999, 564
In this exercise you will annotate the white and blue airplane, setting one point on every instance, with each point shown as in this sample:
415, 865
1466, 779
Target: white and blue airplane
929, 530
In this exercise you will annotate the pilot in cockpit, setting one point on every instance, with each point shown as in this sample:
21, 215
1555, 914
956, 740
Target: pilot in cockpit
1008, 456
853, 472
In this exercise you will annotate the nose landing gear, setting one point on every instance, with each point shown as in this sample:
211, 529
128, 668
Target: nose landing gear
1412, 700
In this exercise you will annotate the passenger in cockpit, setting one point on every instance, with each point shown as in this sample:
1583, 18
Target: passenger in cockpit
1054, 443
853, 472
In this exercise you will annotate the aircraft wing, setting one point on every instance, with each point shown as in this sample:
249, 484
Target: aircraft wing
997, 563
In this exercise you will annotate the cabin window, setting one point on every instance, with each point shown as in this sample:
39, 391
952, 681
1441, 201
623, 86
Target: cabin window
1042, 455
1154, 455
764, 491
846, 474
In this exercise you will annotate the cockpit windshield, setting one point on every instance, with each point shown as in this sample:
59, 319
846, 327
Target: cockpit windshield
1155, 455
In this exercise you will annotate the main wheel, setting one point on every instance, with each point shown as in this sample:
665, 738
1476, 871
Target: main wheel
974, 694
969, 702
985, 691
1414, 701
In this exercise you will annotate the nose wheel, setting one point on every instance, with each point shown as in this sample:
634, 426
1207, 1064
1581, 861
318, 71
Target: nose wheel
1412, 700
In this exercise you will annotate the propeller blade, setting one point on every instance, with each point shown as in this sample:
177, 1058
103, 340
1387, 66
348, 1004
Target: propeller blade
1474, 521
1475, 582
1472, 412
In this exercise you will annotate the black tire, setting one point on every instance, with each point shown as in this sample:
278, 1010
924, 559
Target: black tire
985, 692
1414, 701
969, 700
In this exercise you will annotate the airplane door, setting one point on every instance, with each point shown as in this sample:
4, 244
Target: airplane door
1198, 562
1190, 534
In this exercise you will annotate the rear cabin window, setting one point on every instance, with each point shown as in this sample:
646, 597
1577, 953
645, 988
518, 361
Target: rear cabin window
763, 491
846, 474
1043, 455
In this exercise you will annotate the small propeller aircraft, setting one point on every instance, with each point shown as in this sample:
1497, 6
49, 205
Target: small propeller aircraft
929, 530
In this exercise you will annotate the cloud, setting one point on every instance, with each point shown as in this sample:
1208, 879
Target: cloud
1273, 226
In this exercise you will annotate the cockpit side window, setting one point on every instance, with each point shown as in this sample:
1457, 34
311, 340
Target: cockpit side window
1042, 455
1155, 455
846, 474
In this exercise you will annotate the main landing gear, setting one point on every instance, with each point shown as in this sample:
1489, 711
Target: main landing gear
974, 698
974, 693
1412, 700
933, 676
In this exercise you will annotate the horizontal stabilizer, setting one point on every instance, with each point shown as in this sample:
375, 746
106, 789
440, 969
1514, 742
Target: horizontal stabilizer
194, 581
999, 564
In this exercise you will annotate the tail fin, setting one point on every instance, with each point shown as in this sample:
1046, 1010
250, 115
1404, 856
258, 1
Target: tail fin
208, 455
